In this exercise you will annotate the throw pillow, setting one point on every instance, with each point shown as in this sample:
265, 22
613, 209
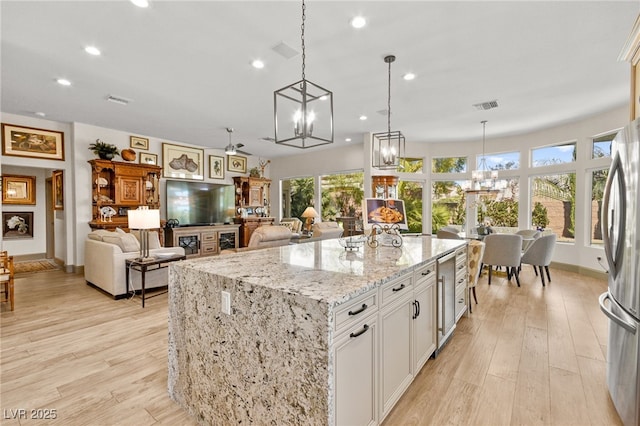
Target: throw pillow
98, 234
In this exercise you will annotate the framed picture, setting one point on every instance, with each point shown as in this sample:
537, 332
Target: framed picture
17, 225
384, 212
182, 162
148, 158
237, 163
57, 184
216, 167
18, 189
20, 141
138, 142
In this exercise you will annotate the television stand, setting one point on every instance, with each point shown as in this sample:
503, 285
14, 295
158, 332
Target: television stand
205, 240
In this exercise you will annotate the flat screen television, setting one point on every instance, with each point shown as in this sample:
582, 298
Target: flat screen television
200, 203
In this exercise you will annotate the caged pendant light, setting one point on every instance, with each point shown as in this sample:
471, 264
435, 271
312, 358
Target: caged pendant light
387, 147
484, 180
303, 111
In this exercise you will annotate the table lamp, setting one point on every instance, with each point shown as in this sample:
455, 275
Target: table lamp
309, 213
144, 219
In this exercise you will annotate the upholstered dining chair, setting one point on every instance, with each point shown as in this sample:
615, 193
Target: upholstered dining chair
447, 235
474, 259
6, 277
539, 254
528, 237
503, 250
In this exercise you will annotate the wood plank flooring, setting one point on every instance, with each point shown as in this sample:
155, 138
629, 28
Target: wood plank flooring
526, 355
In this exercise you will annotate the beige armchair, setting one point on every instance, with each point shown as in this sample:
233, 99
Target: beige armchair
326, 230
294, 224
503, 250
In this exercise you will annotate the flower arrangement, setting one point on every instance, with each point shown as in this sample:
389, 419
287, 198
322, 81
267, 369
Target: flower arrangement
18, 222
105, 151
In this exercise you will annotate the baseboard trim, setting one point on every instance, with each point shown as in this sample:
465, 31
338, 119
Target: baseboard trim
580, 270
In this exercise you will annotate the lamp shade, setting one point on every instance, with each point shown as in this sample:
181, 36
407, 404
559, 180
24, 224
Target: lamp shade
310, 212
144, 219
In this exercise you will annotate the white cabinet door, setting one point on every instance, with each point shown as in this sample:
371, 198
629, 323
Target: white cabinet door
424, 324
396, 372
355, 374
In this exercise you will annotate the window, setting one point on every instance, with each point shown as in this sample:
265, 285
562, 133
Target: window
411, 165
501, 207
553, 200
411, 193
598, 181
297, 195
557, 154
602, 146
447, 204
503, 161
342, 195
449, 165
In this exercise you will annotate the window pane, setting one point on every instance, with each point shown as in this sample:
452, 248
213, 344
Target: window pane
449, 165
342, 195
411, 165
504, 161
602, 146
411, 193
558, 154
598, 180
448, 204
500, 209
553, 203
297, 195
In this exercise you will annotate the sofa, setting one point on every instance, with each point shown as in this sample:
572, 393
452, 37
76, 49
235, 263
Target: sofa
326, 230
105, 253
294, 224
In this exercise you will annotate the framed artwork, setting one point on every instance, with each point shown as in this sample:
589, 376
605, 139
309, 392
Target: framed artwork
17, 225
148, 158
182, 162
57, 184
138, 142
216, 167
18, 189
237, 163
20, 141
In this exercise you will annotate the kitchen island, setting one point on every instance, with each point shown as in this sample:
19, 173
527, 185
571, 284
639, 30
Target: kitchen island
280, 355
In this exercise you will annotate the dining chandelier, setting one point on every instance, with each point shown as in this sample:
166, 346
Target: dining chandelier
387, 147
303, 111
484, 180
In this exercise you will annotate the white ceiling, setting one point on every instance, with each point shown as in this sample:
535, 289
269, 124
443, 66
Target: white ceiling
186, 65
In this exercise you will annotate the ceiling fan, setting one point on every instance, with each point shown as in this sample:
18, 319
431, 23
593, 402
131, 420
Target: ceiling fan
232, 149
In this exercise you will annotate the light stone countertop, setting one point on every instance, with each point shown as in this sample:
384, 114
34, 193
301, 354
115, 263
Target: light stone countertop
324, 270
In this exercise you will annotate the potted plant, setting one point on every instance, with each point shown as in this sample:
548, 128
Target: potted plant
103, 150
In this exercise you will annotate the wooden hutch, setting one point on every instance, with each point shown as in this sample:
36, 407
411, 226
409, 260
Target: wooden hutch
252, 195
118, 187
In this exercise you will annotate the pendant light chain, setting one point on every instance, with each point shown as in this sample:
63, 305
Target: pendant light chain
304, 16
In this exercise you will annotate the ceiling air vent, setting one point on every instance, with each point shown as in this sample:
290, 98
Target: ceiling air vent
486, 105
118, 100
285, 50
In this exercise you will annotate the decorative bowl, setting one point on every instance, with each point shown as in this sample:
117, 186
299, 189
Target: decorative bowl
352, 243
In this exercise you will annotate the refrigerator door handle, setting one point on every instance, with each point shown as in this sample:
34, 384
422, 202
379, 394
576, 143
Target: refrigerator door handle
614, 254
622, 322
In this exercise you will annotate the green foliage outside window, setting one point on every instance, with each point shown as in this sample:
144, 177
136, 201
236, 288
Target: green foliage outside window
539, 216
342, 195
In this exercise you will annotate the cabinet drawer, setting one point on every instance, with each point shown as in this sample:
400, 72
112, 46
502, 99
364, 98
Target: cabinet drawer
208, 237
356, 309
424, 274
395, 289
209, 248
461, 301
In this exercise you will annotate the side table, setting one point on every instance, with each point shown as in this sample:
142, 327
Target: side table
143, 266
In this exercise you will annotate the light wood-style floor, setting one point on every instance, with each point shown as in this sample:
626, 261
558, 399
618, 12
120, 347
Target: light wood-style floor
525, 356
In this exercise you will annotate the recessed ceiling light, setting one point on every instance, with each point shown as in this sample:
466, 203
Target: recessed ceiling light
409, 76
140, 3
363, 117
324, 97
347, 140
39, 114
92, 50
358, 22
257, 64
63, 82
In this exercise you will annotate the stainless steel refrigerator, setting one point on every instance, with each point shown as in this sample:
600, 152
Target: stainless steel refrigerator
621, 303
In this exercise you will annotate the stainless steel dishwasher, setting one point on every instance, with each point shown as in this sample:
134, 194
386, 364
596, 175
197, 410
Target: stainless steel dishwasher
446, 273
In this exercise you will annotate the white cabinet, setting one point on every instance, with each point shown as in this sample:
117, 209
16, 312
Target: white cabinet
356, 361
396, 328
424, 317
462, 277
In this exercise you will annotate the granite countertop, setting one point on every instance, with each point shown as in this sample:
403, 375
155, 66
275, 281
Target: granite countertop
324, 270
